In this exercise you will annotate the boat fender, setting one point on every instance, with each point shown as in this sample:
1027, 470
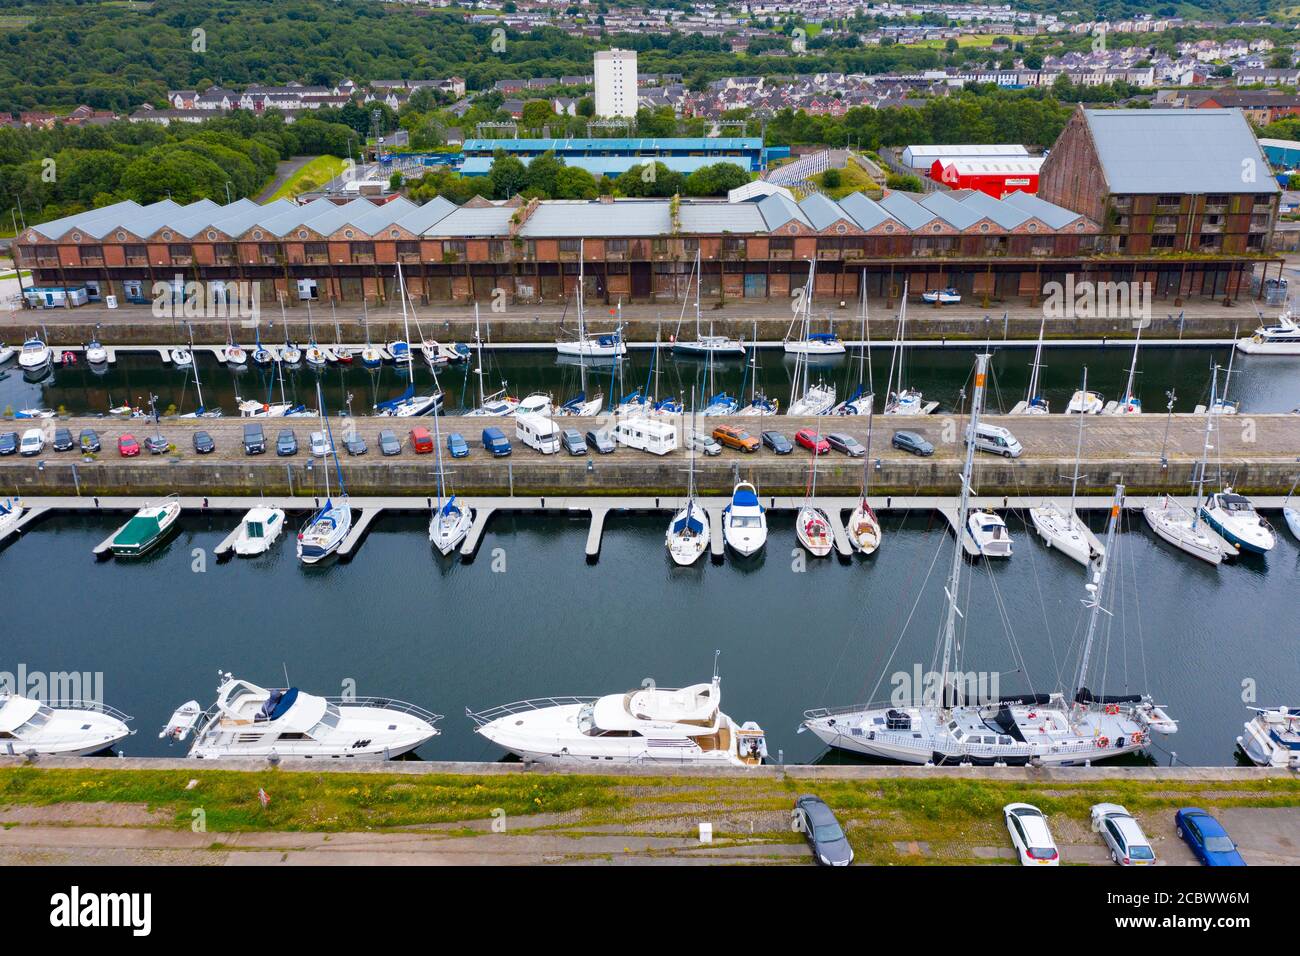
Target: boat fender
1103, 742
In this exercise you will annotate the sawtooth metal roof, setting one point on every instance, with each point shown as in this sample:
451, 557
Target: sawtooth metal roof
1179, 151
558, 218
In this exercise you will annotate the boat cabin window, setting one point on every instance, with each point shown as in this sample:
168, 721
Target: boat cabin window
746, 521
35, 722
586, 720
295, 736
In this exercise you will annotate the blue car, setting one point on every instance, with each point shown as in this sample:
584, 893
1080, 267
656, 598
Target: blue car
457, 446
1207, 838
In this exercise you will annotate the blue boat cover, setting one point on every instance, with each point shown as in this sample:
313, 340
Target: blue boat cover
278, 704
744, 498
400, 400
823, 337
688, 522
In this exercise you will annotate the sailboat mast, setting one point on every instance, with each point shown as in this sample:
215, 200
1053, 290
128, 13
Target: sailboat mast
1096, 588
1205, 449
1033, 370
1132, 369
963, 511
198, 386
437, 444
478, 345
406, 329
864, 366
1078, 451
698, 276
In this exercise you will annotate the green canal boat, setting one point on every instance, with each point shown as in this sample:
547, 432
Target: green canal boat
147, 529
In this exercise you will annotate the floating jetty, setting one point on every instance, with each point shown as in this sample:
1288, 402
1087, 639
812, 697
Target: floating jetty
596, 509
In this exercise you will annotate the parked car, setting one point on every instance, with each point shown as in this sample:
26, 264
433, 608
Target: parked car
912, 442
457, 446
996, 439
602, 441
1122, 834
1210, 843
127, 446
703, 442
203, 443
8, 443
1030, 835
495, 441
815, 443
89, 441
421, 440
389, 443
320, 444
33, 443
829, 845
846, 444
62, 439
777, 442
156, 444
732, 437
355, 444
286, 443
254, 439
571, 440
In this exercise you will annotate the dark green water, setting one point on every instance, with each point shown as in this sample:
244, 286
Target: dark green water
448, 635
1263, 384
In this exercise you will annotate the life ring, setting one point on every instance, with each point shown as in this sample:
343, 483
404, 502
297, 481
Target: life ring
1103, 742
1031, 715
1112, 709
1137, 737
266, 407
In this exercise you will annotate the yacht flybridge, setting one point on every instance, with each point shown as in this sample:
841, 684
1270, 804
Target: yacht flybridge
252, 721
645, 726
74, 728
953, 724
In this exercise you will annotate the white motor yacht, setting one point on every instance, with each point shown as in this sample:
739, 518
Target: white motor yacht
252, 721
11, 512
96, 354
650, 725
35, 356
74, 728
1280, 339
1236, 520
989, 533
1085, 403
744, 521
1272, 737
258, 530
6, 352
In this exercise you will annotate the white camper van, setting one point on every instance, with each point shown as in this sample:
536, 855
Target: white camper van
998, 440
647, 434
538, 431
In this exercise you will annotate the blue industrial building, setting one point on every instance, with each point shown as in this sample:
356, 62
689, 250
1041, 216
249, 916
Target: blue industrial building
616, 155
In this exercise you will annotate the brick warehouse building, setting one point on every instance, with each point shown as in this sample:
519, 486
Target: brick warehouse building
1090, 220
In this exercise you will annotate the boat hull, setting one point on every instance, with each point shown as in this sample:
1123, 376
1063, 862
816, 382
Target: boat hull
1258, 542
813, 529
864, 530
1181, 536
1064, 532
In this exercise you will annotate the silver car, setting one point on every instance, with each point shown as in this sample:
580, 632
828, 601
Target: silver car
1123, 835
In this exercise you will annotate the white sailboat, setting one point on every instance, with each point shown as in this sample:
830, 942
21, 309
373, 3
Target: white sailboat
58, 728
498, 404
449, 522
258, 530
1182, 526
811, 526
1062, 528
291, 355
251, 408
1129, 403
688, 531
252, 721
945, 722
325, 530
646, 726
202, 411
864, 526
236, 355
1291, 513
903, 400
597, 345
711, 344
807, 399
11, 512
408, 404
863, 399
1034, 403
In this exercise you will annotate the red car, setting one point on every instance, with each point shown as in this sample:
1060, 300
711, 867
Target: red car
421, 441
127, 446
808, 438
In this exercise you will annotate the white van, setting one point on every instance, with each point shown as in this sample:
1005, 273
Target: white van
658, 438
538, 431
998, 440
33, 442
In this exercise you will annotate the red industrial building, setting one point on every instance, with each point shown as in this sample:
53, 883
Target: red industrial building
996, 177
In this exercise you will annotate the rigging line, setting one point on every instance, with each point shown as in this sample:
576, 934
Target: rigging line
1131, 561
1017, 655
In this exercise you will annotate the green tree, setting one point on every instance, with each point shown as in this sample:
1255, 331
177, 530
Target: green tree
507, 176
